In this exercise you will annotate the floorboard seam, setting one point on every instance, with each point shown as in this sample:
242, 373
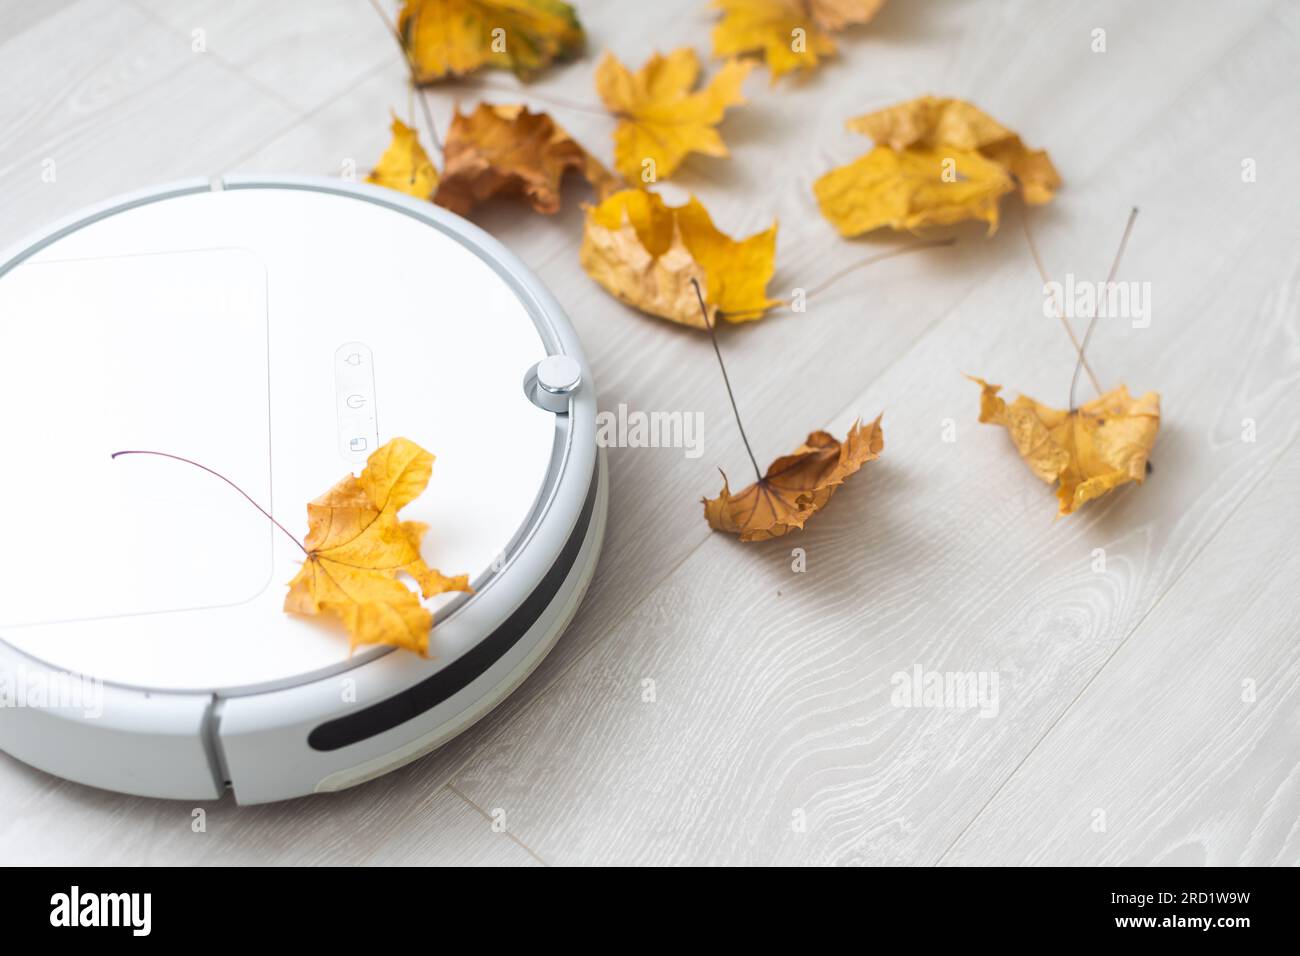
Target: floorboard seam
268, 92
488, 817
305, 118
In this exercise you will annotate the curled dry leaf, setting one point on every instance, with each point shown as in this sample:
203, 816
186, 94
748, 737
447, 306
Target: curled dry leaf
405, 166
936, 161
791, 34
356, 546
452, 37
510, 150
662, 117
646, 253
796, 486
1101, 445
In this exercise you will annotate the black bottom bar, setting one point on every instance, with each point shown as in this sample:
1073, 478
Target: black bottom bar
930, 907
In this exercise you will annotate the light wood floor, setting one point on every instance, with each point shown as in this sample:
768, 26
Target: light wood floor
1149, 713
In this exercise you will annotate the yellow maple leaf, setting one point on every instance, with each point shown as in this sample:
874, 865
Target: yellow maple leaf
911, 188
796, 486
454, 37
662, 117
356, 546
405, 166
936, 161
934, 122
1097, 447
646, 253
791, 34
510, 150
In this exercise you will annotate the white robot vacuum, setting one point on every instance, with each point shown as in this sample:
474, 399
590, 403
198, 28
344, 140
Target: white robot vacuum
276, 331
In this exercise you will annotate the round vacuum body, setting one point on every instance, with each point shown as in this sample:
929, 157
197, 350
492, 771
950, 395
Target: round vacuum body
276, 331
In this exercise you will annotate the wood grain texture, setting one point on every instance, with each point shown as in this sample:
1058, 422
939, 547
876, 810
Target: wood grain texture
772, 689
300, 55
108, 101
17, 17
1182, 750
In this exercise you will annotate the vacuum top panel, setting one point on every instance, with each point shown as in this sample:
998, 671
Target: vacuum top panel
277, 336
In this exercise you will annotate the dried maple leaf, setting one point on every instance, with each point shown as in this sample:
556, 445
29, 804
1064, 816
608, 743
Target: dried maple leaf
646, 253
405, 166
932, 122
509, 150
453, 37
906, 190
1099, 446
770, 26
796, 486
936, 161
661, 119
356, 546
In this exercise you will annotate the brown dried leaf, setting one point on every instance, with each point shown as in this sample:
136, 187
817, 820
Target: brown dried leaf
508, 150
796, 486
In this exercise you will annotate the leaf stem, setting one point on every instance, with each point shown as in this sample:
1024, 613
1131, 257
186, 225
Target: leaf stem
1060, 313
847, 270
210, 471
1114, 268
410, 66
879, 257
561, 102
713, 337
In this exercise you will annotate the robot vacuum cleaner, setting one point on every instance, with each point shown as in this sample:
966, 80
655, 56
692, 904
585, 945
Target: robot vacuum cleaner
276, 331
